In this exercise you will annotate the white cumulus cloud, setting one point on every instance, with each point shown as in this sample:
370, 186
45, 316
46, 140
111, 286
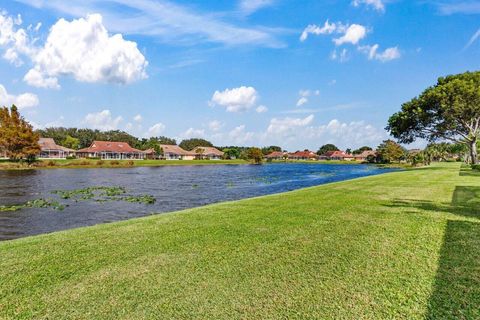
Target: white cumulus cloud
261, 109
102, 120
250, 6
156, 130
193, 133
240, 136
14, 39
353, 34
302, 101
22, 101
286, 125
327, 28
83, 48
376, 4
353, 134
215, 125
236, 99
138, 118
384, 56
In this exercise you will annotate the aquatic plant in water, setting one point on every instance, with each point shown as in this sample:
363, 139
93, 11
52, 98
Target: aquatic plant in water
98, 194
37, 203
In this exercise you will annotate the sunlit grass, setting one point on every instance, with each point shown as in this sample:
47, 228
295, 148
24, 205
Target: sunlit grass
403, 245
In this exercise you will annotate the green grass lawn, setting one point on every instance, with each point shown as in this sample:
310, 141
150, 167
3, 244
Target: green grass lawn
403, 245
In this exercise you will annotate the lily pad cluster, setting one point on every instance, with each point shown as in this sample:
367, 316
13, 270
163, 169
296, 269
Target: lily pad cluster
98, 194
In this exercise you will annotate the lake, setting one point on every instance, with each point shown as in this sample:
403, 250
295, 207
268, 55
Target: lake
174, 188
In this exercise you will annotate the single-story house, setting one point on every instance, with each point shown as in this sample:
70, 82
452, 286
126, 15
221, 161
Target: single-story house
50, 150
210, 153
337, 155
276, 155
364, 155
303, 155
174, 152
111, 150
151, 154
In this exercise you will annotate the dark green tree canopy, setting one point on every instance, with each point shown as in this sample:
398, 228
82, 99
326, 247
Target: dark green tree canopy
361, 149
190, 144
449, 110
327, 147
270, 149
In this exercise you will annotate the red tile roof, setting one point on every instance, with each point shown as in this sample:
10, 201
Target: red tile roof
174, 149
365, 154
303, 154
208, 151
49, 144
275, 154
337, 154
110, 146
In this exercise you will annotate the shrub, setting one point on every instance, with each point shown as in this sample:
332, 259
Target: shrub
476, 167
84, 163
130, 163
51, 163
100, 163
39, 164
115, 162
71, 157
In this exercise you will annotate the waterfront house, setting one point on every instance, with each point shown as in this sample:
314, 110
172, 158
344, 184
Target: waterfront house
174, 152
110, 150
50, 150
207, 153
303, 155
151, 154
276, 155
365, 155
337, 155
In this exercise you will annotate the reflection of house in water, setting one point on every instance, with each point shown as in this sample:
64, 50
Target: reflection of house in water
111, 150
50, 150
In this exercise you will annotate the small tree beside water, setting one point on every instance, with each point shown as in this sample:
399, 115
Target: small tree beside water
255, 155
17, 138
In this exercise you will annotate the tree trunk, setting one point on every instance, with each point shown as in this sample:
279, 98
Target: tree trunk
473, 151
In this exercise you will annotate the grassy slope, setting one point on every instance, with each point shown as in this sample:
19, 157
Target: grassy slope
400, 245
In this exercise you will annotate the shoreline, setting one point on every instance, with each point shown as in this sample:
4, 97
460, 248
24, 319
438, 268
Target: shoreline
107, 164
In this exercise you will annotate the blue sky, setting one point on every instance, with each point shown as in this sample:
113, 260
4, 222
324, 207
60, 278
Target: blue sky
247, 72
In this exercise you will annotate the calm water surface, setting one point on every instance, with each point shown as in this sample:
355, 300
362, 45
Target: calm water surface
174, 187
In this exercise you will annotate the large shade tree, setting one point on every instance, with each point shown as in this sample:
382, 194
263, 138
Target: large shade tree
449, 110
17, 138
327, 147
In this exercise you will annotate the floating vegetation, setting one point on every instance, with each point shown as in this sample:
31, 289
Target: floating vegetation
37, 203
146, 199
90, 193
98, 194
